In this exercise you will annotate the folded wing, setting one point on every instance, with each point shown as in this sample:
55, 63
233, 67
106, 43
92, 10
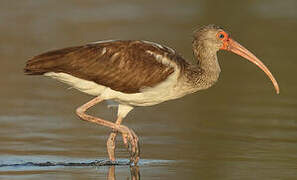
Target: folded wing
125, 66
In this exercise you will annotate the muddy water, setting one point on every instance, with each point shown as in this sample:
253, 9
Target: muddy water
238, 129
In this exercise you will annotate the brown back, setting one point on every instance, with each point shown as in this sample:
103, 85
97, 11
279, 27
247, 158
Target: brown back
121, 65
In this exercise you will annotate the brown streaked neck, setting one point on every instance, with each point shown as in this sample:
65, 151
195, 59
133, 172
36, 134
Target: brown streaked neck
207, 69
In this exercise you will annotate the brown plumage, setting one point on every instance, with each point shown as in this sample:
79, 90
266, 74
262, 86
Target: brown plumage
121, 65
137, 73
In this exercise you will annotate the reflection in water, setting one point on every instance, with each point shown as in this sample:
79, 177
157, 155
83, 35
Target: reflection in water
134, 171
48, 164
135, 174
111, 173
235, 128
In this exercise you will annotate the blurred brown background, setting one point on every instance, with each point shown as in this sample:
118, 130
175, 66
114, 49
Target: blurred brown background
238, 129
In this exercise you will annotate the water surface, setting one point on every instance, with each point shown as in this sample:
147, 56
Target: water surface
238, 129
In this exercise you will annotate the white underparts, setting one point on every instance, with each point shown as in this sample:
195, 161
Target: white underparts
82, 85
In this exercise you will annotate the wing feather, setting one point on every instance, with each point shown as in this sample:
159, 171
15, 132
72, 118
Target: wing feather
121, 65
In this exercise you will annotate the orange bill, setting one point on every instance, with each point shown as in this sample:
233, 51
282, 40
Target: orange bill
236, 48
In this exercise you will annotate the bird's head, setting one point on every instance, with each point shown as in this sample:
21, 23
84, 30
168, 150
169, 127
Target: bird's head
212, 38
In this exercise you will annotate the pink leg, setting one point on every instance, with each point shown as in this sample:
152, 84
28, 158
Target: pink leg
129, 136
111, 141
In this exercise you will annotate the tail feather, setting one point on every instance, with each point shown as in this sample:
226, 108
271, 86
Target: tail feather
43, 63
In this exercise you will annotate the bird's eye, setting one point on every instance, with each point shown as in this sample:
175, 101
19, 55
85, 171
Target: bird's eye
221, 36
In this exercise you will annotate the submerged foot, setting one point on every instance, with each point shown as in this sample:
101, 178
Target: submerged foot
131, 142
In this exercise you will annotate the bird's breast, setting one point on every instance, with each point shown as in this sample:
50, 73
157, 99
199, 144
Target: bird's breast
169, 89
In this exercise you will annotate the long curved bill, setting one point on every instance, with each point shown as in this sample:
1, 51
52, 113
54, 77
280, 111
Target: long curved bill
236, 48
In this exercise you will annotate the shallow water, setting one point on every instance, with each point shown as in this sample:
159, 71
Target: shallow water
238, 129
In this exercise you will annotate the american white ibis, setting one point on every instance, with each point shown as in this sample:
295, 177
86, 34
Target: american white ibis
137, 73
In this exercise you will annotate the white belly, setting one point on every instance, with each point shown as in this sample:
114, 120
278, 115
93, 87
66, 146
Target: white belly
169, 89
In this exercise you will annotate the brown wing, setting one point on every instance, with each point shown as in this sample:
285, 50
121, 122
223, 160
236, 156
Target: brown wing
121, 65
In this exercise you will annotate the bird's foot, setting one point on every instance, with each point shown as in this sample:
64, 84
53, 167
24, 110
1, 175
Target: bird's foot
132, 144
